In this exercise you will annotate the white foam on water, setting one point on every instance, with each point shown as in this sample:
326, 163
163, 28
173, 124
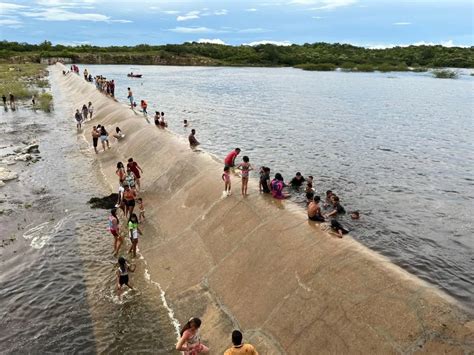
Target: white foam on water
42, 233
171, 315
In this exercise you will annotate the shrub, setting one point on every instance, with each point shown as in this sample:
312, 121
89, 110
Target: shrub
45, 101
445, 74
365, 68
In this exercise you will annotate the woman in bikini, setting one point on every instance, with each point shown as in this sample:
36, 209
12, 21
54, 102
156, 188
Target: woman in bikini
129, 196
190, 341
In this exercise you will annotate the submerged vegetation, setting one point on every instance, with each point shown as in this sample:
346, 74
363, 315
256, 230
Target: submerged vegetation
445, 74
315, 56
23, 81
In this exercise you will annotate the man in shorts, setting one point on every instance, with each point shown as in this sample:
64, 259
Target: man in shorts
95, 138
229, 160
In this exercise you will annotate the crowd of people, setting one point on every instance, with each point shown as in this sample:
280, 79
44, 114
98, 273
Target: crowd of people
131, 207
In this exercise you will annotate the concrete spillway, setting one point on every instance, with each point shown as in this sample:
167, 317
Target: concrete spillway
257, 263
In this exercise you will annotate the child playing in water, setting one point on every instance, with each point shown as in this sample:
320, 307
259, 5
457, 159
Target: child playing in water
141, 209
309, 184
226, 179
245, 168
122, 274
133, 232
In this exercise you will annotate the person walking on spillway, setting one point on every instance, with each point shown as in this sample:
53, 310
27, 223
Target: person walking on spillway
122, 274
229, 160
130, 97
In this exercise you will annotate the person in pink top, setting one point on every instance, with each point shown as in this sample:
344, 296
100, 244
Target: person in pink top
245, 168
190, 341
229, 160
226, 179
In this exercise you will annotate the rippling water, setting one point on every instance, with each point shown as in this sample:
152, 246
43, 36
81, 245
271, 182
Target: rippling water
396, 146
57, 279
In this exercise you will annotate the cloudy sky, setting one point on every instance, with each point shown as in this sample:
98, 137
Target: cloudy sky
371, 23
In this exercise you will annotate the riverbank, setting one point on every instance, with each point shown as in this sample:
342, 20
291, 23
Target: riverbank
25, 81
258, 264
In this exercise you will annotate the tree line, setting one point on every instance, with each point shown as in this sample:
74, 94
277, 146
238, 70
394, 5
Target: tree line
324, 56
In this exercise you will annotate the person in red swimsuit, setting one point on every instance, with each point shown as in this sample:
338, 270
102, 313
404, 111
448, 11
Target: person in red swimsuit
135, 168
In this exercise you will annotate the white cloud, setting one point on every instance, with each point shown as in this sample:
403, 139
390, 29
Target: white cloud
171, 12
191, 15
58, 14
251, 10
6, 7
401, 23
317, 17
213, 41
253, 30
11, 22
324, 4
220, 12
192, 30
448, 43
83, 4
276, 43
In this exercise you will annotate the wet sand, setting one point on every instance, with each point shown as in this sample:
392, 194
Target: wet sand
258, 264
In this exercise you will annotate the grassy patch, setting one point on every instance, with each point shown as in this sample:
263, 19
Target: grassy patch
22, 80
445, 74
386, 67
365, 68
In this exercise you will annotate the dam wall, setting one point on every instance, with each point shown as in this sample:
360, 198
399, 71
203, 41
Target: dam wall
257, 263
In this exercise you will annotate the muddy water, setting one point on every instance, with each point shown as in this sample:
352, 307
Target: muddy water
57, 273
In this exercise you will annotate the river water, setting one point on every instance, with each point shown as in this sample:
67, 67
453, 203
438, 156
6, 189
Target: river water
57, 278
398, 147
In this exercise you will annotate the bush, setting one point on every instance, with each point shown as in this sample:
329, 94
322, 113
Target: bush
45, 101
348, 66
365, 68
316, 67
445, 74
419, 70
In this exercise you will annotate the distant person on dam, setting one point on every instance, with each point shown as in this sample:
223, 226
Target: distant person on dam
91, 109
130, 97
104, 137
239, 348
190, 339
157, 118
193, 142
78, 118
144, 106
85, 111
229, 160
4, 99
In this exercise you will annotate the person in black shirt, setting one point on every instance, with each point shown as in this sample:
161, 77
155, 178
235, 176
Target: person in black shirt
264, 183
297, 181
337, 208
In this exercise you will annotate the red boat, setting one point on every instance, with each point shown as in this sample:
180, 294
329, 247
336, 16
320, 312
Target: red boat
131, 75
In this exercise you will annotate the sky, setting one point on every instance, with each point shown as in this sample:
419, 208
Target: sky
368, 23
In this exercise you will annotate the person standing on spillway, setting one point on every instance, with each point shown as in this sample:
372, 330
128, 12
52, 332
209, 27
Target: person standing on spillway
130, 97
229, 160
136, 169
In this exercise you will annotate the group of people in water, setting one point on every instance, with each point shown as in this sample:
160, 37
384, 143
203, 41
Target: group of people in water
277, 187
